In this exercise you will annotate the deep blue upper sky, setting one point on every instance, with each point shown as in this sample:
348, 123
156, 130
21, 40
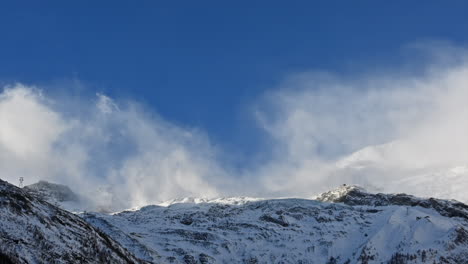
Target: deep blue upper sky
198, 63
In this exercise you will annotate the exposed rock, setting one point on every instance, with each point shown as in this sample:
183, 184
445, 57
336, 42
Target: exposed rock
35, 231
354, 195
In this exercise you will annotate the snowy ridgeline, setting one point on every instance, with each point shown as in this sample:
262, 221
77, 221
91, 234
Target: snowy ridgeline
346, 225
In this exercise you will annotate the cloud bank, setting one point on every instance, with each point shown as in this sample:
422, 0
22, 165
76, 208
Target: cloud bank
400, 124
119, 153
376, 129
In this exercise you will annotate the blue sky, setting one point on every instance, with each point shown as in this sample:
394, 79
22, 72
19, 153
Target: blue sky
200, 63
210, 98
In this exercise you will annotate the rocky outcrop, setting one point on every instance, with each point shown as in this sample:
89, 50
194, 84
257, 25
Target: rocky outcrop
354, 195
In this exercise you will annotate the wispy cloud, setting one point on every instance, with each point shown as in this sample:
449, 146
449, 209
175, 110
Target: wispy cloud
419, 119
121, 154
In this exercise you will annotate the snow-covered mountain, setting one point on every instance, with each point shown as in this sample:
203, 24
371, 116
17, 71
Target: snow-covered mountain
346, 225
35, 231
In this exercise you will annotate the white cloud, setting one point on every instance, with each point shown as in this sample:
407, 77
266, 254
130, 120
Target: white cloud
122, 155
28, 131
317, 120
119, 155
28, 127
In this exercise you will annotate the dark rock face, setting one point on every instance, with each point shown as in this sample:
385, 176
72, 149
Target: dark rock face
34, 231
279, 221
461, 236
356, 196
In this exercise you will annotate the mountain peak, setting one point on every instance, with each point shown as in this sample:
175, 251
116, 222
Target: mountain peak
337, 194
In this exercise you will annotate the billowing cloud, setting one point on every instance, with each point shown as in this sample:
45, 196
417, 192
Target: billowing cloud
392, 131
27, 133
119, 155
401, 125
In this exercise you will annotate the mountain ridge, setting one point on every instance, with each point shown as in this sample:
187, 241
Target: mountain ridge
342, 226
352, 227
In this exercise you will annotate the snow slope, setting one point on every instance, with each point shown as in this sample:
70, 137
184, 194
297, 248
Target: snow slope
35, 231
347, 225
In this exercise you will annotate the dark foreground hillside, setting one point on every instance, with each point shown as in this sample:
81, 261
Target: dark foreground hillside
34, 231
